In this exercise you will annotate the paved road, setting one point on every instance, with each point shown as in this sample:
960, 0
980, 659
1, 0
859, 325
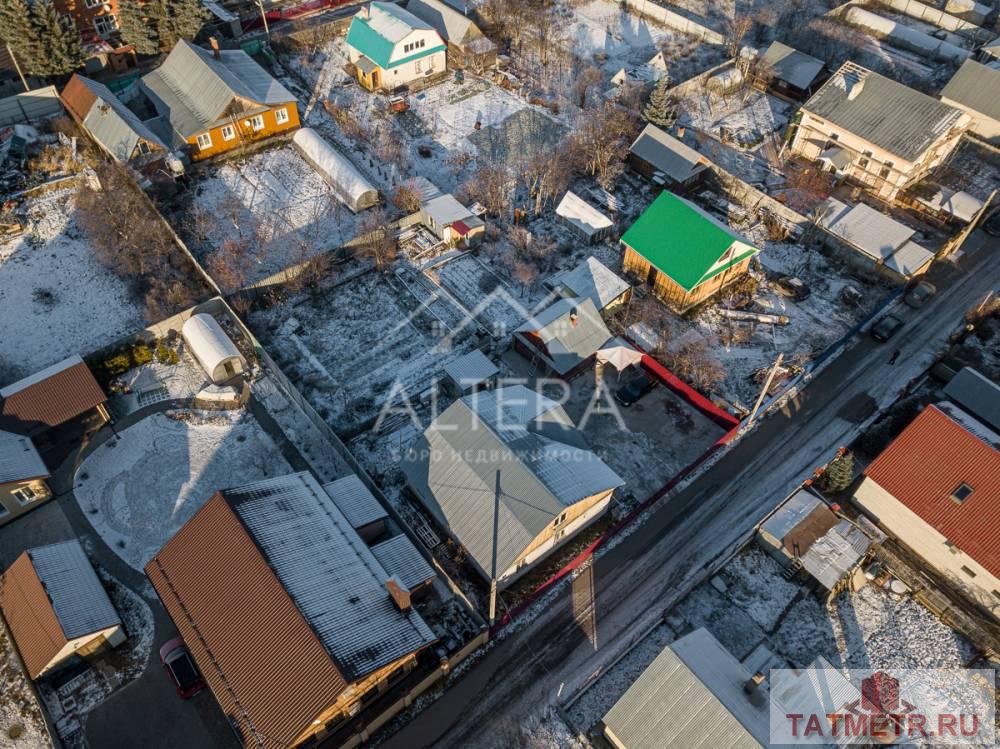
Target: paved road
653, 568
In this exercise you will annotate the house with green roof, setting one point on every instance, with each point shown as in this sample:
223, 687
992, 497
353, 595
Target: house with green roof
682, 253
391, 47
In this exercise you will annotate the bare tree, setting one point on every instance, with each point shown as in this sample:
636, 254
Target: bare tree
736, 29
406, 198
601, 142
525, 273
585, 80
547, 179
492, 184
378, 240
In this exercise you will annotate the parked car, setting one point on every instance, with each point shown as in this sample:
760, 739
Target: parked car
792, 287
179, 665
919, 295
886, 328
851, 296
634, 389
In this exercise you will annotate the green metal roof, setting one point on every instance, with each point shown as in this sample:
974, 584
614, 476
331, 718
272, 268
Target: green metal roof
683, 241
377, 48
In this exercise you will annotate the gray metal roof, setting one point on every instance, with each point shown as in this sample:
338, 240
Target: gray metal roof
790, 513
874, 233
194, 90
581, 214
976, 87
790, 65
470, 369
835, 553
446, 210
593, 280
19, 460
329, 573
976, 394
569, 342
453, 26
114, 125
355, 500
894, 117
678, 161
401, 558
544, 462
690, 697
81, 604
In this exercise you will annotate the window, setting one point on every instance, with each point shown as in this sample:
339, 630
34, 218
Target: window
228, 132
24, 495
92, 3
560, 520
967, 571
950, 545
865, 158
143, 147
416, 66
962, 493
257, 122
4, 512
407, 48
884, 172
204, 141
105, 25
421, 43
281, 116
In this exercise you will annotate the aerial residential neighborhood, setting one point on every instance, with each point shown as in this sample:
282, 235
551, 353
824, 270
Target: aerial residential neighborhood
499, 374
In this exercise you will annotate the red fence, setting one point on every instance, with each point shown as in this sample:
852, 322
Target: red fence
689, 394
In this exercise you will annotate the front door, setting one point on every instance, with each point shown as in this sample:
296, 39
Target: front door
376, 83
651, 276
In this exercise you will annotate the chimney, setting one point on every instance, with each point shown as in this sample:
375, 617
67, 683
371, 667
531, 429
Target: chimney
215, 47
400, 595
752, 685
573, 317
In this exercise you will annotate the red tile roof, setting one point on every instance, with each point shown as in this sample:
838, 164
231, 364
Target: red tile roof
30, 616
49, 398
259, 656
927, 462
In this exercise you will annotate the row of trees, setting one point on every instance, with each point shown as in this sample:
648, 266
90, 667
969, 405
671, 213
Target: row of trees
45, 42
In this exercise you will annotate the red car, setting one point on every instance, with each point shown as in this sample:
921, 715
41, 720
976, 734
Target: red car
179, 665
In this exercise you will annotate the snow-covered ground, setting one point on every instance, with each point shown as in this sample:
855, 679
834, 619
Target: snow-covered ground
21, 723
158, 381
745, 122
56, 299
138, 488
276, 204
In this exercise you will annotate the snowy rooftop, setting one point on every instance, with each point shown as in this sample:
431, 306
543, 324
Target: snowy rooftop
19, 460
675, 159
791, 513
393, 22
976, 394
81, 604
470, 369
582, 215
835, 553
330, 574
402, 559
592, 280
790, 65
878, 236
572, 330
354, 499
957, 203
446, 210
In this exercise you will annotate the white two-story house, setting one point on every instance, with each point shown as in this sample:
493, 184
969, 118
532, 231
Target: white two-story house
391, 47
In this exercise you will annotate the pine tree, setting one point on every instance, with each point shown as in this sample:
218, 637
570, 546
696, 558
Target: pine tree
661, 109
840, 472
135, 27
59, 38
187, 18
17, 31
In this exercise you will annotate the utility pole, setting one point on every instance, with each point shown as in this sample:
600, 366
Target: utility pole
17, 67
763, 392
493, 569
263, 17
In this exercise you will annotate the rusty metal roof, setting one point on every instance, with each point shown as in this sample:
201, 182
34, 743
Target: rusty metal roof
265, 665
30, 616
924, 466
50, 397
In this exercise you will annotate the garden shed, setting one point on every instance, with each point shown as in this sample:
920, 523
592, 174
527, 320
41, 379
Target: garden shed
356, 192
214, 350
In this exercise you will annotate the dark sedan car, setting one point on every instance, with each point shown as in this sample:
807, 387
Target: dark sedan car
886, 328
179, 665
634, 389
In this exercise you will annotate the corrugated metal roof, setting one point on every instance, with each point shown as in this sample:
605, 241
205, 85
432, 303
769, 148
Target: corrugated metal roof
543, 460
446, 210
376, 32
976, 394
927, 462
30, 616
894, 117
668, 155
690, 697
19, 460
81, 604
880, 237
976, 87
401, 558
572, 331
592, 280
581, 214
453, 26
790, 65
354, 499
194, 90
834, 554
106, 118
266, 667
328, 571
50, 397
470, 369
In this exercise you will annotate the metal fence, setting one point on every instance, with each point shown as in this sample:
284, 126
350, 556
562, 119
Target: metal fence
30, 106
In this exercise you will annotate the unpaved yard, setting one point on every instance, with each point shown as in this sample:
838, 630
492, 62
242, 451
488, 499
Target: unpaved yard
139, 488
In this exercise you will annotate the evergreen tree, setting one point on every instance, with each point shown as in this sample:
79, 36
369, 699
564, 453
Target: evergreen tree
17, 30
59, 39
187, 17
840, 472
661, 109
135, 28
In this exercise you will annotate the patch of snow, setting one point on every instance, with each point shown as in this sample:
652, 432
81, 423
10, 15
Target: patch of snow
20, 711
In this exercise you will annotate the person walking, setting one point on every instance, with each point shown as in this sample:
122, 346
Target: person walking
895, 355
